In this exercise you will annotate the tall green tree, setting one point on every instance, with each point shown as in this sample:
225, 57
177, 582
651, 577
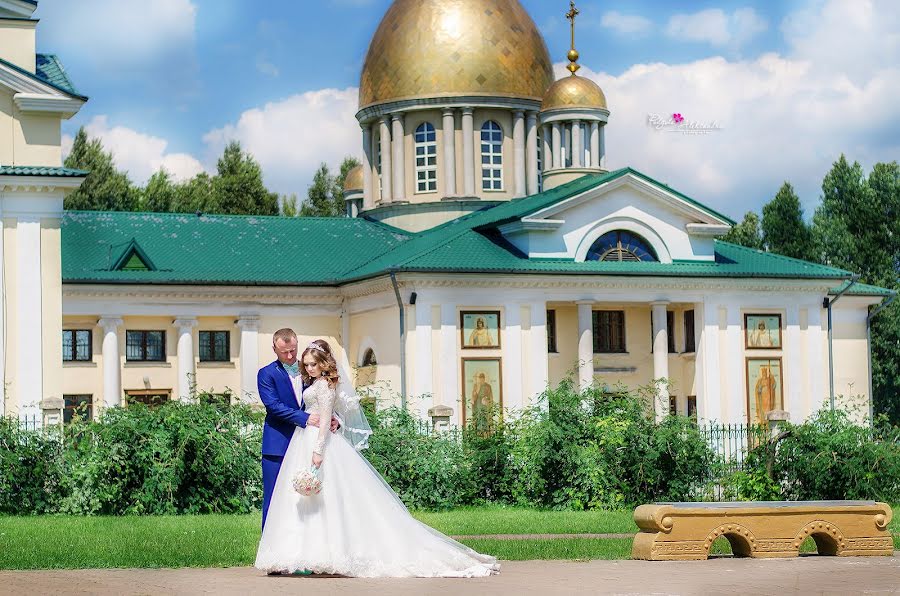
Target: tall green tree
290, 207
746, 233
325, 197
239, 187
845, 195
196, 194
105, 188
783, 230
160, 193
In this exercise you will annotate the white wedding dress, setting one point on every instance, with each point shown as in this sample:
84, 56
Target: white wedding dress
356, 526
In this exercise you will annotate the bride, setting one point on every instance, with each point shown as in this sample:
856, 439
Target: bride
356, 525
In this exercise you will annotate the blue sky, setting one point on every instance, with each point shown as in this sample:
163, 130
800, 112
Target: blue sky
792, 84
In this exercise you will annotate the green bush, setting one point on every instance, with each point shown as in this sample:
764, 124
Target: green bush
488, 448
30, 470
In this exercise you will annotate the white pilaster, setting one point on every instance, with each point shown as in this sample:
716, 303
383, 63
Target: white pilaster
29, 366
386, 170
818, 371
468, 132
660, 357
557, 146
398, 142
424, 357
539, 362
577, 145
3, 303
519, 153
187, 371
790, 365
450, 388
595, 144
585, 344
512, 357
547, 155
603, 147
249, 326
112, 366
736, 404
368, 192
531, 149
709, 408
449, 132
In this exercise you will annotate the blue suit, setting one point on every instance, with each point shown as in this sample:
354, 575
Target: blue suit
283, 414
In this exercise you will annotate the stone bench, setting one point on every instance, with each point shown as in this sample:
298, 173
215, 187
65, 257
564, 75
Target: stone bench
761, 529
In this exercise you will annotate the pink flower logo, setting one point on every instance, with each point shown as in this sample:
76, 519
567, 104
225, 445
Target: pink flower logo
678, 118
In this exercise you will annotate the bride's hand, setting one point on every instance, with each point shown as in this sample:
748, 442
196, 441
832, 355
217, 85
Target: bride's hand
313, 420
317, 460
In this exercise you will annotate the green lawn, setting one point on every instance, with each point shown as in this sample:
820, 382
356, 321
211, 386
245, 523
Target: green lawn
66, 542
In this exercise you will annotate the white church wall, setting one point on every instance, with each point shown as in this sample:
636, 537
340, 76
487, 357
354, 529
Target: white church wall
383, 326
219, 377
851, 365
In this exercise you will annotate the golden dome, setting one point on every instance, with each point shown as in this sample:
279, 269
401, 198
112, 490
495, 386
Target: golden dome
573, 92
354, 179
428, 48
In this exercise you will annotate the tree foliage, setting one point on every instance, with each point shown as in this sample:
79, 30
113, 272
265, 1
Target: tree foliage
783, 229
746, 233
325, 197
105, 188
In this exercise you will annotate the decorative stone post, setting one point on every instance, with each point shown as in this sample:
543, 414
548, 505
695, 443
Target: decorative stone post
440, 417
112, 367
187, 372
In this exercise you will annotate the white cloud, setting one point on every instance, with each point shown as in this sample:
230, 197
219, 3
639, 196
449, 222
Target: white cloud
292, 137
716, 27
139, 154
119, 34
626, 23
784, 117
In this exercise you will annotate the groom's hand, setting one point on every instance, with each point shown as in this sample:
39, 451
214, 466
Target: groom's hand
313, 420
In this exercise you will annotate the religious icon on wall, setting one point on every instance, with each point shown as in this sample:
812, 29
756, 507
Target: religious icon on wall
480, 329
765, 390
762, 332
482, 390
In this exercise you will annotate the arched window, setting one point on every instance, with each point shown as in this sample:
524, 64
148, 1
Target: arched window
491, 156
367, 372
426, 158
620, 245
369, 358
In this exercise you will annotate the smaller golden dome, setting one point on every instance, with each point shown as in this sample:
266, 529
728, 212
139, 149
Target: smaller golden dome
573, 92
354, 179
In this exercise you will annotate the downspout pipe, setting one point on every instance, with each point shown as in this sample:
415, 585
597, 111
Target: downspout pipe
869, 318
402, 340
828, 303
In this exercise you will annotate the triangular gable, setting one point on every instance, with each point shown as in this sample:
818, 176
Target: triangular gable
133, 258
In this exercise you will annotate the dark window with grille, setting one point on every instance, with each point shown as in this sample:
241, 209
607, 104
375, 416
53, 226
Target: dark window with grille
551, 331
673, 405
692, 406
77, 405
215, 346
145, 346
148, 397
690, 344
76, 345
609, 331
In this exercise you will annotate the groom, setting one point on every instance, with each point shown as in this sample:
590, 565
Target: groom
281, 391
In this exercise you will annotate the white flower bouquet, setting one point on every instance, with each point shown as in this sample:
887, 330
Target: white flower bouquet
307, 482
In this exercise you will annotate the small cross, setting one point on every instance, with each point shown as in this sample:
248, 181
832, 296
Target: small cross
573, 12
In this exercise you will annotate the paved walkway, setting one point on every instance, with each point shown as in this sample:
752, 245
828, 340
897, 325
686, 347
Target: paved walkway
806, 575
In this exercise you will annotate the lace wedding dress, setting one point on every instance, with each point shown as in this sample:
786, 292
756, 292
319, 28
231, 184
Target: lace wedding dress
356, 526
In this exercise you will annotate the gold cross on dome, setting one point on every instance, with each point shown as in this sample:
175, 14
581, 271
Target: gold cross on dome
573, 12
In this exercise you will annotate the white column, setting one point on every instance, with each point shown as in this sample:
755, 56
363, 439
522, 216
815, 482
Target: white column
3, 314
368, 192
29, 364
585, 344
249, 326
512, 357
816, 345
450, 389
468, 132
398, 142
386, 171
709, 408
790, 365
547, 140
187, 372
733, 367
540, 364
112, 366
531, 151
519, 153
577, 145
557, 146
424, 357
595, 144
449, 133
660, 357
602, 147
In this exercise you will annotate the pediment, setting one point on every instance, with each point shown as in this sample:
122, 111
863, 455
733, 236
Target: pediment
33, 95
677, 227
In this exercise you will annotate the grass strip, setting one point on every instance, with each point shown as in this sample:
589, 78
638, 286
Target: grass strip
517, 520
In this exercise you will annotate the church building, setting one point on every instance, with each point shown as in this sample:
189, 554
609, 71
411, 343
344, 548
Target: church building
488, 252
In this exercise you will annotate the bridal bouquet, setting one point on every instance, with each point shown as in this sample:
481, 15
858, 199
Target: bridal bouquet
307, 482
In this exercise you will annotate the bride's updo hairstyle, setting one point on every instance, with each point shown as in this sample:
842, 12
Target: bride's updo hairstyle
321, 353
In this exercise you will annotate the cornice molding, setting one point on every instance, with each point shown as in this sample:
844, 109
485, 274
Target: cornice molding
275, 295
54, 104
414, 104
39, 184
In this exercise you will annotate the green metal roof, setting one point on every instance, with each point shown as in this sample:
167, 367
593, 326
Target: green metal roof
242, 250
860, 289
48, 70
217, 249
41, 171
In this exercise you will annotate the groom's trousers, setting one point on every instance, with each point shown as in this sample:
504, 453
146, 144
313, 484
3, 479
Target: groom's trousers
271, 464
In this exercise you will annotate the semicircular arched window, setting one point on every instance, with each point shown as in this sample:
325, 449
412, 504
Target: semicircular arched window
620, 245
